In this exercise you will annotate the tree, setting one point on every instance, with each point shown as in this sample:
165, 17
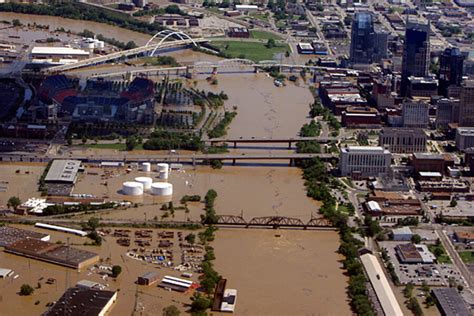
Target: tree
116, 270
416, 239
270, 43
190, 238
287, 54
16, 22
408, 290
171, 311
93, 223
130, 45
84, 139
131, 143
13, 202
26, 290
199, 303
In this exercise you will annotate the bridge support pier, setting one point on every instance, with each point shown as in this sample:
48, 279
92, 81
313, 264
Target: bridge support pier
289, 145
233, 162
292, 162
235, 145
189, 72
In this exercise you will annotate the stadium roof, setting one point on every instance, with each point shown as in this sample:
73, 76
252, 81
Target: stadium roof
381, 286
63, 171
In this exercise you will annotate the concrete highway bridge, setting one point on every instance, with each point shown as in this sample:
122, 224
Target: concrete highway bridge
266, 140
178, 158
234, 65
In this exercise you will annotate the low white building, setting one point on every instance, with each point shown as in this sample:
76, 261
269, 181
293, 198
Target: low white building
402, 234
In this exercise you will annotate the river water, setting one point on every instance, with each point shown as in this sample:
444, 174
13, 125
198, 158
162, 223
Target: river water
264, 110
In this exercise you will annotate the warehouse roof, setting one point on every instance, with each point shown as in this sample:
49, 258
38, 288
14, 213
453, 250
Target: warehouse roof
381, 286
76, 301
450, 302
63, 171
58, 51
10, 235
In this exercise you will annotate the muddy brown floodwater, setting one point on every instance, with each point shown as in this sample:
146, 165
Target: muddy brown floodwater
263, 110
284, 272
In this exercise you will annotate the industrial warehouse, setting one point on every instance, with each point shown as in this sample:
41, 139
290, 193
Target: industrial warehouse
53, 253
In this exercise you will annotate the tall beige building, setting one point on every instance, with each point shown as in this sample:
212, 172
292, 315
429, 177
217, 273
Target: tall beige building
466, 106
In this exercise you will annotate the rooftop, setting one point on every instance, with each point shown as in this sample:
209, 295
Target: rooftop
50, 252
63, 171
381, 286
10, 235
366, 149
451, 302
80, 302
58, 51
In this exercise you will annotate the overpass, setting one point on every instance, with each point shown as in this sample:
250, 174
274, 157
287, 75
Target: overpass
124, 54
265, 140
178, 158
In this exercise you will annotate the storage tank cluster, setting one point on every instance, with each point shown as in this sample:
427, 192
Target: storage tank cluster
163, 170
162, 189
145, 181
132, 188
92, 43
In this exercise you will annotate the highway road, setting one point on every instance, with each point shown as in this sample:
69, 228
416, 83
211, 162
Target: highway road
455, 257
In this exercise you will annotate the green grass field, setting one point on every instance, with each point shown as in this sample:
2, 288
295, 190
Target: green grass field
264, 35
467, 256
250, 50
257, 16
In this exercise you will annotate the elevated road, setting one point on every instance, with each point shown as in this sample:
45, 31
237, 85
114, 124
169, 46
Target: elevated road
123, 54
265, 140
184, 158
215, 67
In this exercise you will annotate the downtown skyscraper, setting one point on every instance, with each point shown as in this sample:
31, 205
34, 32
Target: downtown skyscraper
416, 53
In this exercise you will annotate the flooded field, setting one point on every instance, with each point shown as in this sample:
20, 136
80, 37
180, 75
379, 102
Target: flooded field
282, 272
19, 180
271, 191
145, 300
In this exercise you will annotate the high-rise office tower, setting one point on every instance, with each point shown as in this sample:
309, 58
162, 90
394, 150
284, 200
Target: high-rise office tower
466, 104
450, 69
368, 44
416, 53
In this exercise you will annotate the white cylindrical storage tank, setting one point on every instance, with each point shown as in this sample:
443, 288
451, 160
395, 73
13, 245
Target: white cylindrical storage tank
162, 167
146, 166
132, 188
145, 181
164, 175
161, 189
